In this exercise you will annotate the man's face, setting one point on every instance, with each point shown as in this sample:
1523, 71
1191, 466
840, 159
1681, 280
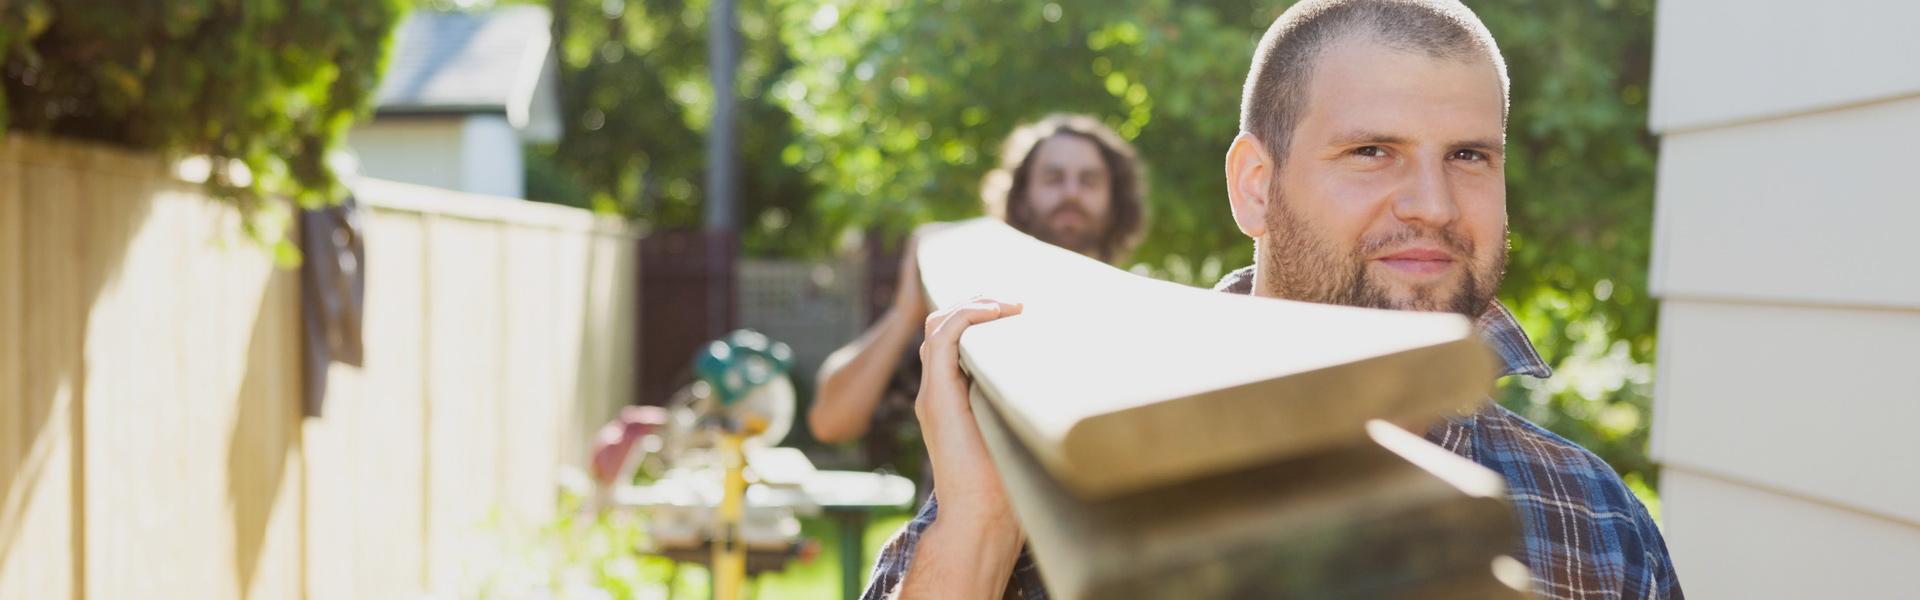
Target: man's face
1393, 191
1069, 194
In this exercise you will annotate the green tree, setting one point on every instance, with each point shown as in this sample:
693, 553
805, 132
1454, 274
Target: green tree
263, 87
902, 104
886, 114
1580, 202
636, 100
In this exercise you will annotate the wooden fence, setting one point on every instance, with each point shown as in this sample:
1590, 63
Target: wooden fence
151, 438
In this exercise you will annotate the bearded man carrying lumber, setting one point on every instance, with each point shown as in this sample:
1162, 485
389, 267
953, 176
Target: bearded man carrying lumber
1369, 168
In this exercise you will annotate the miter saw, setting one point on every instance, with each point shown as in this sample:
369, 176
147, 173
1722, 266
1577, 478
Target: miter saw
725, 495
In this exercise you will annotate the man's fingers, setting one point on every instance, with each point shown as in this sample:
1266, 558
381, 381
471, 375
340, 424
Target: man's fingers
943, 330
947, 324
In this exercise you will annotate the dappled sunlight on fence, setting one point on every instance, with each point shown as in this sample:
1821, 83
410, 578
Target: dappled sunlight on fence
151, 438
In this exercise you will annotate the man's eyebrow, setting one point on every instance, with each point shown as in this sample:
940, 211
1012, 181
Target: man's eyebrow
1368, 138
1489, 146
1364, 137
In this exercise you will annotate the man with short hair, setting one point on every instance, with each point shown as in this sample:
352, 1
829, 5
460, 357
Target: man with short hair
1370, 171
1066, 179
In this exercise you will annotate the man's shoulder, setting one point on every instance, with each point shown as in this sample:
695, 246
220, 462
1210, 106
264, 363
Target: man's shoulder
1586, 530
1541, 463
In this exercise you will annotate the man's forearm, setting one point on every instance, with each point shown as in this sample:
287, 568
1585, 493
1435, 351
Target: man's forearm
962, 557
855, 376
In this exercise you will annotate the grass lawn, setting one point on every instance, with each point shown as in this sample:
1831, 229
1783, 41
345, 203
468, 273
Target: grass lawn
817, 580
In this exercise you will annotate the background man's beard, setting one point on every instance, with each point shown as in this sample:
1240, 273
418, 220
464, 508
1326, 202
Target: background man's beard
1298, 265
1085, 240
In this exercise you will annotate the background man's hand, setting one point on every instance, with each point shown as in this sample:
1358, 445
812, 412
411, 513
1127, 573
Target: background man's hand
910, 300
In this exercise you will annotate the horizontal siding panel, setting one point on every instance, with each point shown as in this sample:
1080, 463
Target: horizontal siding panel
1816, 209
1732, 541
1815, 401
1719, 61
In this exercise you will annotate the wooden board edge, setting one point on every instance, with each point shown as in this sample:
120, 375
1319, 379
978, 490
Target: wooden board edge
1080, 555
1094, 470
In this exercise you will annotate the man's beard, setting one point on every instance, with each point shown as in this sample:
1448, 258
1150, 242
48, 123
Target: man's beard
1084, 240
1299, 265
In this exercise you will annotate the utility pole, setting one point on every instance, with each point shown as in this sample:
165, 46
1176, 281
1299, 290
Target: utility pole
722, 221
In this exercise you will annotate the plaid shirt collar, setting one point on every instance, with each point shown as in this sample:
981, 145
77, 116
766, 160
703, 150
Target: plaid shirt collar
1496, 325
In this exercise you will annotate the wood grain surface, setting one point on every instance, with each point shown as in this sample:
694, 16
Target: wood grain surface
1389, 517
1119, 383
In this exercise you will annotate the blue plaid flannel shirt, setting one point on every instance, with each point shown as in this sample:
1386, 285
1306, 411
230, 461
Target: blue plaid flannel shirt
1585, 535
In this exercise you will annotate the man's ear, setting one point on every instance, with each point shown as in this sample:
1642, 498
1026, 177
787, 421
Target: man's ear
1250, 171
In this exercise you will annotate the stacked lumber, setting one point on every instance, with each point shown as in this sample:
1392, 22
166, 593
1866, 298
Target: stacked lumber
1161, 441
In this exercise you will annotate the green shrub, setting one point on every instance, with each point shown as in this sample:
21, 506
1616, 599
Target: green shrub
263, 87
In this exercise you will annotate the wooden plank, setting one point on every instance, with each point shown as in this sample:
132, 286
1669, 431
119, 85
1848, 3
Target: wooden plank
390, 547
1119, 383
1392, 516
332, 531
1831, 226
579, 374
537, 390
1736, 379
464, 393
44, 555
1719, 61
406, 197
14, 442
124, 403
616, 328
1730, 540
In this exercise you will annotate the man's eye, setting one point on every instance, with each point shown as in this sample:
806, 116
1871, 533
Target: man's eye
1470, 155
1370, 151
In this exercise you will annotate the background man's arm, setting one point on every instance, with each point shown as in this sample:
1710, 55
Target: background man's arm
853, 378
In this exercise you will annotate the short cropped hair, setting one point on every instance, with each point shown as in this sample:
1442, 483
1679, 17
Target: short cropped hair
1275, 95
1005, 188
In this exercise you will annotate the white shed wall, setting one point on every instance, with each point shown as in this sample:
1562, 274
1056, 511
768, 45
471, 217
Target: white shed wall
477, 154
418, 150
490, 158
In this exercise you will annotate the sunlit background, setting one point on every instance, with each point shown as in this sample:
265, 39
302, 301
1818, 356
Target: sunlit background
854, 122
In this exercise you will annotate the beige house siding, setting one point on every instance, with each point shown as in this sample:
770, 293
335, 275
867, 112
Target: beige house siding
1785, 261
1725, 61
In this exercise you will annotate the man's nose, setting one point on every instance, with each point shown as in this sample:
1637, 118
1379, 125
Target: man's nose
1426, 196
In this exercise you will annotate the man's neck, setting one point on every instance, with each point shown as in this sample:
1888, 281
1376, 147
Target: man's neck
1496, 325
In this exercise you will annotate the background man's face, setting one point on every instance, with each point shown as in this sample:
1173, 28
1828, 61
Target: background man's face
1393, 192
1069, 194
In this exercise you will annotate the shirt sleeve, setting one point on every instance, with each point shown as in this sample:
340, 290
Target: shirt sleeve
1659, 580
897, 555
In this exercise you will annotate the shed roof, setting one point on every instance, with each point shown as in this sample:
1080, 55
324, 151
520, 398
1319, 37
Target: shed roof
468, 62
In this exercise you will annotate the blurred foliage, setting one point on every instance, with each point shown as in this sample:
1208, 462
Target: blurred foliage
582, 555
636, 100
1580, 206
263, 87
576, 556
886, 113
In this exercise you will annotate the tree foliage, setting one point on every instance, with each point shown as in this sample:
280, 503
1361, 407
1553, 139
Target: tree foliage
636, 100
263, 87
903, 104
892, 110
